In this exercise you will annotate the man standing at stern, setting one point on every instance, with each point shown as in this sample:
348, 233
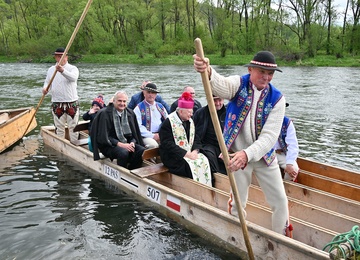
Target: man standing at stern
64, 96
252, 125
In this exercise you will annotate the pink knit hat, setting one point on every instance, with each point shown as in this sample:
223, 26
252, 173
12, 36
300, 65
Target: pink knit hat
186, 101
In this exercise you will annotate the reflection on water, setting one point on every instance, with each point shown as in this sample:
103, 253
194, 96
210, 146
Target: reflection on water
51, 209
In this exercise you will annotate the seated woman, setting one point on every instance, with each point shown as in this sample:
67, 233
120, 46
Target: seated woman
179, 147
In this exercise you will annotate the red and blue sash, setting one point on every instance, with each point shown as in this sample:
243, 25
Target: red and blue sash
146, 115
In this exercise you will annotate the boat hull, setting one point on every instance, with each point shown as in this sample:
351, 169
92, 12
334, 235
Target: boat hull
13, 124
203, 209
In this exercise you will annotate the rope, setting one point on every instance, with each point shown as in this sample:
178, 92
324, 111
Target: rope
337, 243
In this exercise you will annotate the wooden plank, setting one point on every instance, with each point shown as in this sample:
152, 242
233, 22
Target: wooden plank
82, 126
222, 182
309, 196
320, 216
80, 142
334, 186
147, 171
326, 184
304, 232
322, 199
329, 171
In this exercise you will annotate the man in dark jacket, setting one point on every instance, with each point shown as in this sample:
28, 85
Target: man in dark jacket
139, 97
197, 103
206, 132
115, 132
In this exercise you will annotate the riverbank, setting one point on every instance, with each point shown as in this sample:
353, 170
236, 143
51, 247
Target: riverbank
318, 61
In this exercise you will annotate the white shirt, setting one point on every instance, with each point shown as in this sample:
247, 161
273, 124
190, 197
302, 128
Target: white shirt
292, 144
64, 85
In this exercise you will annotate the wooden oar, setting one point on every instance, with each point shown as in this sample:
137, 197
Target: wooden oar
215, 121
61, 59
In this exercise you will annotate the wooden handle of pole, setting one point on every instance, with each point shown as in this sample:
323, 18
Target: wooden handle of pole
61, 59
220, 138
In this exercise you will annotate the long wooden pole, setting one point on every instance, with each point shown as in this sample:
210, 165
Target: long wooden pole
216, 123
61, 59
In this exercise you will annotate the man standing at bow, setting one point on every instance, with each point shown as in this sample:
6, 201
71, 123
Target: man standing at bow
252, 125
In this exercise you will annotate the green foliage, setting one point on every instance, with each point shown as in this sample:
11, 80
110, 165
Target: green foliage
160, 28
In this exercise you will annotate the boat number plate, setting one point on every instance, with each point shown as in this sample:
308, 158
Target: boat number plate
111, 172
153, 194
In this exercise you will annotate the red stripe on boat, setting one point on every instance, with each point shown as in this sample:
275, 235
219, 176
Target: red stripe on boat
173, 203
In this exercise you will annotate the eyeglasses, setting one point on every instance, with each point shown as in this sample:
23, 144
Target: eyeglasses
192, 93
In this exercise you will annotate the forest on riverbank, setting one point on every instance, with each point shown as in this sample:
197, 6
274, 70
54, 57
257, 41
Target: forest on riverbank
310, 33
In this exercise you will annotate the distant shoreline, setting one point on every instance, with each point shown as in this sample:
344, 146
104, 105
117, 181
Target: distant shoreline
318, 61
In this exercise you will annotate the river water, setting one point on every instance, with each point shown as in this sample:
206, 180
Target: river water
53, 209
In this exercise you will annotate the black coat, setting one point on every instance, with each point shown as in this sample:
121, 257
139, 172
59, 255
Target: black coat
206, 133
103, 130
204, 126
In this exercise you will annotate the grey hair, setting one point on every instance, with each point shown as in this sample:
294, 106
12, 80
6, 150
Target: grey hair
120, 92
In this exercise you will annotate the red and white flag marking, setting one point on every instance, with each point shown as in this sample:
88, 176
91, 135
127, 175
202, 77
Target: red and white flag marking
173, 202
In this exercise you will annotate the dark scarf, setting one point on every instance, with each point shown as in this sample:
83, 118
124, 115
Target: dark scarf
122, 127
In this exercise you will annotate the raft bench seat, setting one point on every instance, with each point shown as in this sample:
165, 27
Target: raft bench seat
153, 168
81, 126
80, 142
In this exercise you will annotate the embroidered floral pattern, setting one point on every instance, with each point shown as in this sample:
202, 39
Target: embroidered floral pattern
200, 167
241, 107
146, 113
69, 108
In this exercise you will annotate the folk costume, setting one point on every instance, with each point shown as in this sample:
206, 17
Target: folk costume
64, 97
287, 147
177, 138
150, 117
110, 127
138, 97
252, 124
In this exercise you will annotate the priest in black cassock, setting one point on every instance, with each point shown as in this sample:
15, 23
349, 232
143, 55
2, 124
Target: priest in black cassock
179, 146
